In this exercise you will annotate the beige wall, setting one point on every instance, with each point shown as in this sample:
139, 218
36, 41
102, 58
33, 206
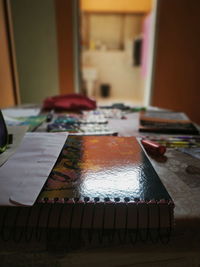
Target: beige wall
106, 29
6, 84
115, 68
113, 60
112, 30
36, 48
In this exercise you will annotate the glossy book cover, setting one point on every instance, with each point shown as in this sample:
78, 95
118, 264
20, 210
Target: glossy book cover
101, 189
103, 167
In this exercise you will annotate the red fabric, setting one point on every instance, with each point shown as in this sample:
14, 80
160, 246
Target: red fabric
69, 102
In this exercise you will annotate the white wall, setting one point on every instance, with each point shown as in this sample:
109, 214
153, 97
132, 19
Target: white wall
116, 69
108, 40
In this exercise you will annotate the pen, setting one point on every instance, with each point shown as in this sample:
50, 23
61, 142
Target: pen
175, 141
153, 147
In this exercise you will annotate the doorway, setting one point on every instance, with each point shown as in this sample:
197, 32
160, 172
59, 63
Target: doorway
112, 47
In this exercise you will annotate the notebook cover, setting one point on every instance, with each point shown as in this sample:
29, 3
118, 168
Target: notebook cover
102, 188
103, 167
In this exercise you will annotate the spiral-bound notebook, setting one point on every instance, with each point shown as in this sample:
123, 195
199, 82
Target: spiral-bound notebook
101, 188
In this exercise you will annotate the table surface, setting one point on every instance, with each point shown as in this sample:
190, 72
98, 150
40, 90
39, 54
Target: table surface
184, 188
182, 250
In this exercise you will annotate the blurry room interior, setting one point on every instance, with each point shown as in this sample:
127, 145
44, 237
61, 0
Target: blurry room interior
113, 49
54, 47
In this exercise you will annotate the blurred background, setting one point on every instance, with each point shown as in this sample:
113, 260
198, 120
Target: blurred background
140, 52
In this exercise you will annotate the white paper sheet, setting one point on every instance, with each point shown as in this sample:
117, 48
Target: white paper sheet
20, 112
24, 174
18, 133
11, 120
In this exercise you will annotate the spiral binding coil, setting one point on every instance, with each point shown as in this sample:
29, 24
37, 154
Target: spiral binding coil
86, 220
